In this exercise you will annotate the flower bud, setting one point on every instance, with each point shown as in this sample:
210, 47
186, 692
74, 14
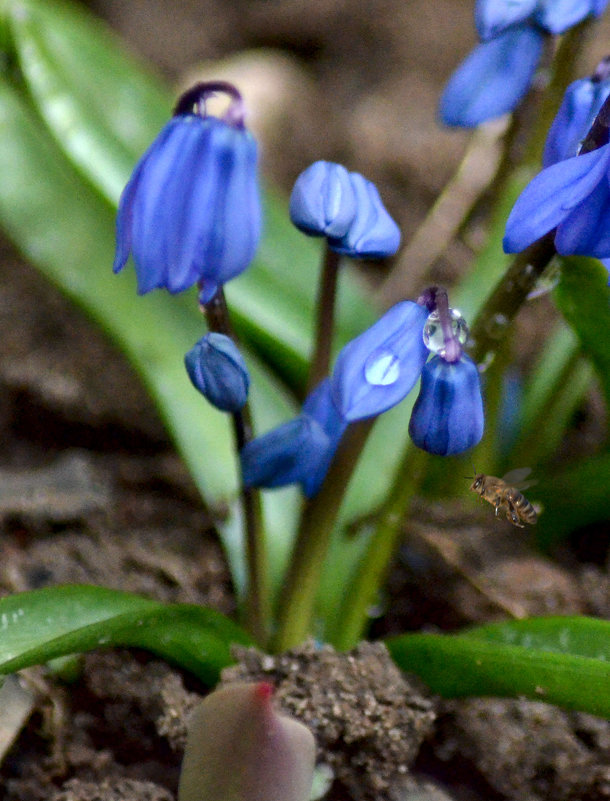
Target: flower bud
322, 202
448, 418
380, 367
191, 210
217, 369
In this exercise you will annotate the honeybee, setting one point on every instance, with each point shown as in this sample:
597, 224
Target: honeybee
503, 493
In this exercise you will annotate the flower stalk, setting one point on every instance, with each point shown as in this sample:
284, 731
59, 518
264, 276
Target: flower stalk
325, 322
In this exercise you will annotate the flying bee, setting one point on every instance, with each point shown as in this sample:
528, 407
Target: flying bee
504, 493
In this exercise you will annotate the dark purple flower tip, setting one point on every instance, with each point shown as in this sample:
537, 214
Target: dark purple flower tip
286, 455
217, 369
573, 196
581, 103
191, 210
379, 368
373, 234
323, 202
493, 79
448, 418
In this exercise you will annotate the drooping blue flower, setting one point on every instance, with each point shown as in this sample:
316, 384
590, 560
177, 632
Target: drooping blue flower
191, 210
323, 202
493, 17
329, 201
448, 418
572, 196
493, 79
299, 451
581, 104
372, 234
379, 368
217, 369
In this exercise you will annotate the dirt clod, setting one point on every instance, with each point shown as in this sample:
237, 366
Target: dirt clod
119, 790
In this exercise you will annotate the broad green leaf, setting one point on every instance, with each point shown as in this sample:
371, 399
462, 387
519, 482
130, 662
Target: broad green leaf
67, 230
583, 297
44, 624
564, 661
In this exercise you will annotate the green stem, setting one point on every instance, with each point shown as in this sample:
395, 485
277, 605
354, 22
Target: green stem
372, 569
325, 323
297, 602
256, 606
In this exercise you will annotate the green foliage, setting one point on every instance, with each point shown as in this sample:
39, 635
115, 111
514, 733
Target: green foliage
44, 624
561, 660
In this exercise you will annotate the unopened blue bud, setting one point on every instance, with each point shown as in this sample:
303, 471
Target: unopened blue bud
285, 455
379, 368
191, 210
323, 202
448, 418
557, 16
373, 234
493, 79
493, 17
217, 369
581, 104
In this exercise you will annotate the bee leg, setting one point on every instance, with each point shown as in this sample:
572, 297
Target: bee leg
512, 515
497, 505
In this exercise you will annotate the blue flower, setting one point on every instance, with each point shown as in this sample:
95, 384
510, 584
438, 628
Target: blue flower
323, 202
299, 451
191, 210
448, 418
493, 78
329, 201
572, 196
379, 368
581, 104
217, 369
493, 17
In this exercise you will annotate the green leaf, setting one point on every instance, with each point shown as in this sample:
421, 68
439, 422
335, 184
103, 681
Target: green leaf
583, 297
44, 624
564, 661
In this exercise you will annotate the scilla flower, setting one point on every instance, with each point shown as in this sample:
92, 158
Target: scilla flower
191, 210
448, 418
329, 201
217, 369
493, 17
571, 195
379, 368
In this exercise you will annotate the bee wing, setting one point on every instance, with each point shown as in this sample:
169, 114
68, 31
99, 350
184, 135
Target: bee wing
514, 477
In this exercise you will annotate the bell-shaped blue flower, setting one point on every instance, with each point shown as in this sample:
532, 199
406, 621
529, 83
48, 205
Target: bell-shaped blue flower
572, 196
493, 79
217, 369
581, 104
299, 451
191, 210
448, 418
379, 368
493, 17
373, 234
323, 202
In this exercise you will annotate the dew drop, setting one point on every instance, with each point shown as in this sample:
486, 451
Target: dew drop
382, 368
433, 332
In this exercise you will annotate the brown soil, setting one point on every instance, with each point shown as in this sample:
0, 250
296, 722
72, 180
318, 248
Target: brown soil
91, 490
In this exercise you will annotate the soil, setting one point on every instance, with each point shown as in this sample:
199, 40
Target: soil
92, 491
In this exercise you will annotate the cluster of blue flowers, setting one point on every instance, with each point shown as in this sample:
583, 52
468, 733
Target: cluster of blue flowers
498, 73
190, 214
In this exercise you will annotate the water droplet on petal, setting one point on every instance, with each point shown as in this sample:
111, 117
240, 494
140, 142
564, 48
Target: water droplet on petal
433, 333
382, 368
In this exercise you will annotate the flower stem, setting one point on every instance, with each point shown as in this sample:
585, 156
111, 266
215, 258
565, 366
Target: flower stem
256, 602
325, 322
297, 602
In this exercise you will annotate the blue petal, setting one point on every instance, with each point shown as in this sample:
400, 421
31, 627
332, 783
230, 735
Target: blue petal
448, 417
320, 406
322, 202
285, 455
492, 17
373, 234
586, 231
548, 200
379, 368
493, 79
556, 16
